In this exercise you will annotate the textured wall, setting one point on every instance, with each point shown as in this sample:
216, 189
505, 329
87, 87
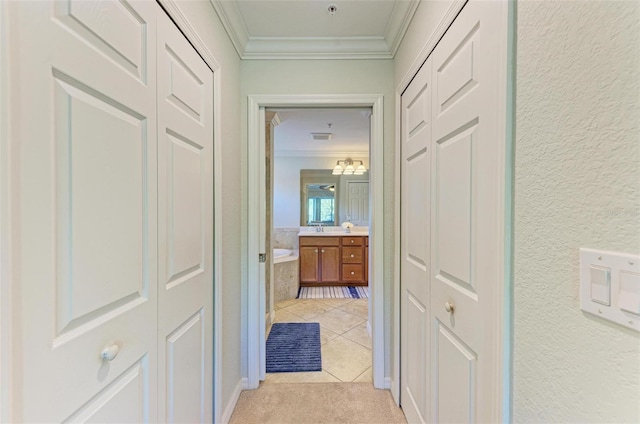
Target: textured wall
577, 185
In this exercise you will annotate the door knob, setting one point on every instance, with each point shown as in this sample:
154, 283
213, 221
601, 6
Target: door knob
448, 307
110, 353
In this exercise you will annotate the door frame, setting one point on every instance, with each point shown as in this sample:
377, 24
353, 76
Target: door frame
505, 290
6, 205
255, 156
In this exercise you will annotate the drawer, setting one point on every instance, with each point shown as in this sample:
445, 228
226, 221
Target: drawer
352, 272
352, 241
319, 241
352, 255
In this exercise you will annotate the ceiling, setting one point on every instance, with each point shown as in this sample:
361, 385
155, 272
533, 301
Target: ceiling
305, 29
349, 132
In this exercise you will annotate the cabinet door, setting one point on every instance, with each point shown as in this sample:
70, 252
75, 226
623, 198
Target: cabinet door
330, 264
309, 264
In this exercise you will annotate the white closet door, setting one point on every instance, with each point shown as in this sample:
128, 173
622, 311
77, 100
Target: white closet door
415, 248
467, 216
185, 238
358, 202
452, 227
86, 262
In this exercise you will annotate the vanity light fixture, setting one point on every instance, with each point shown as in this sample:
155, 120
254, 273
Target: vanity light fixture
347, 167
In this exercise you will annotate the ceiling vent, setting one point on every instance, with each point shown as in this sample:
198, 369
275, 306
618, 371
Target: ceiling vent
321, 136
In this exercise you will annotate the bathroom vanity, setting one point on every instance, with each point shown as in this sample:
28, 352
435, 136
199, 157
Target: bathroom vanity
328, 259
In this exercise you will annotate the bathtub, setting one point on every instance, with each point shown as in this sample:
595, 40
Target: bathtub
285, 272
283, 255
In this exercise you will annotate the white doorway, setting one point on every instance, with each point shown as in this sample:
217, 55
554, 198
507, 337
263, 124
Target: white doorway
256, 223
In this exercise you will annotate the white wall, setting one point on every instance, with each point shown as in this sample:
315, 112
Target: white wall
286, 190
333, 77
205, 21
577, 182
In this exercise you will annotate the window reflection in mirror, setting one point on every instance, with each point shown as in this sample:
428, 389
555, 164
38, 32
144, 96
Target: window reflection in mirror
318, 197
320, 204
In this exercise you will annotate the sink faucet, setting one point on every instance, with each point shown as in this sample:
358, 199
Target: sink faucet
320, 228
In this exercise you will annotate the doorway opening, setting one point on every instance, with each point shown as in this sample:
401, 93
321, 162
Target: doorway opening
316, 239
256, 229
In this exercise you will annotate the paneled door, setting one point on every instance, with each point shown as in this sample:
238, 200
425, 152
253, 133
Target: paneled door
415, 235
185, 229
467, 215
113, 290
457, 202
358, 201
86, 261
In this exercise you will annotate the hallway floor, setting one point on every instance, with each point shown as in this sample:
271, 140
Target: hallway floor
345, 343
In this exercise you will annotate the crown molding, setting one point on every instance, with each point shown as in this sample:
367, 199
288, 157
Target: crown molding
266, 48
398, 24
317, 48
322, 154
233, 23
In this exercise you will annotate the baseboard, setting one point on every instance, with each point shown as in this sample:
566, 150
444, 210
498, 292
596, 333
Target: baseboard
228, 410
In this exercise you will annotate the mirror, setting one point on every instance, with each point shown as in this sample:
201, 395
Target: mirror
318, 197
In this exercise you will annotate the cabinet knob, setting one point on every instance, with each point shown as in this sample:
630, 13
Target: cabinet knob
353, 273
322, 250
315, 251
352, 241
353, 256
110, 353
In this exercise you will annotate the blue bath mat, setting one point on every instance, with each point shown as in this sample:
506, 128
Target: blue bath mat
294, 347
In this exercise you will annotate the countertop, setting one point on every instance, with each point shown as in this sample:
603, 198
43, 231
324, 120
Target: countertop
332, 233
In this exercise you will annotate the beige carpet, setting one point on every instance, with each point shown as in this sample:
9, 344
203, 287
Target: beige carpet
325, 403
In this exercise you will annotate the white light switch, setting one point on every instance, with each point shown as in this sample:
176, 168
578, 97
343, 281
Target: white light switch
600, 284
629, 294
610, 286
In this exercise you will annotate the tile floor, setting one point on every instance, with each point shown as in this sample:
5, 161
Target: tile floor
346, 346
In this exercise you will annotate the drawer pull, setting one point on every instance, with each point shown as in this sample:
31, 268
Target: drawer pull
322, 250
315, 251
352, 241
353, 256
353, 273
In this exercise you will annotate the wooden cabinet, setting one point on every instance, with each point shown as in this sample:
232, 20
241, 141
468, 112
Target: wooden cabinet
340, 260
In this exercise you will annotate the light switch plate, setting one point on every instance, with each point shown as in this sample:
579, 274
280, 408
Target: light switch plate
610, 286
